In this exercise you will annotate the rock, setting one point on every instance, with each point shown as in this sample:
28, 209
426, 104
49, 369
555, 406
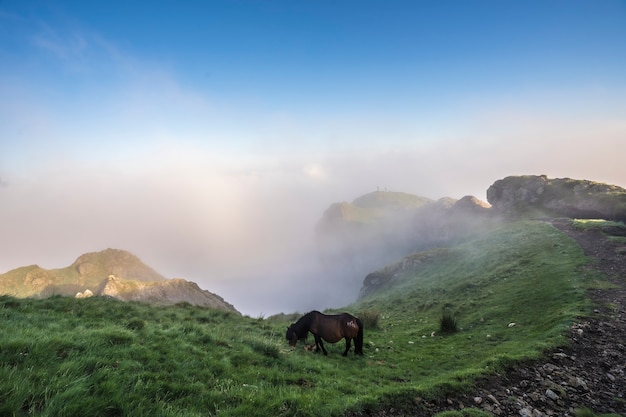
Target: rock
165, 292
552, 395
577, 382
550, 368
533, 195
493, 399
85, 294
526, 412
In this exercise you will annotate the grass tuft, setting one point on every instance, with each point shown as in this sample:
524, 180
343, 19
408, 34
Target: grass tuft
370, 319
448, 323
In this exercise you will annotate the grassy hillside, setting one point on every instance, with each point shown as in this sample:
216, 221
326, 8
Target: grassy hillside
391, 200
101, 357
89, 271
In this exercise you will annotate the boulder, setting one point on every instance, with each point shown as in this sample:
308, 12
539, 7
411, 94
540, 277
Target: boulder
538, 196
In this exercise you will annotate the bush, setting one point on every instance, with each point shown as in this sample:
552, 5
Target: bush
370, 319
448, 323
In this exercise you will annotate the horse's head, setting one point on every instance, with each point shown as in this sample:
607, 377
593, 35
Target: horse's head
291, 336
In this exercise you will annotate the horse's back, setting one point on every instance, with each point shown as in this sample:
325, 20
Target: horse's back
342, 325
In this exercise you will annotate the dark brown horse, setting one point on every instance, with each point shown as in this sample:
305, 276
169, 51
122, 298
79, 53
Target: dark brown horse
331, 328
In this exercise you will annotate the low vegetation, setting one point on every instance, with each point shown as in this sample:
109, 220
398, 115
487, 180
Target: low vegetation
448, 324
597, 224
615, 231
512, 291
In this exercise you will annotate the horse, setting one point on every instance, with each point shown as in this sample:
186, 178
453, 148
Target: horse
331, 328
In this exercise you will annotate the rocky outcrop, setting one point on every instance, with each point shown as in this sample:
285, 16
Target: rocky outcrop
386, 277
540, 196
172, 291
471, 204
111, 272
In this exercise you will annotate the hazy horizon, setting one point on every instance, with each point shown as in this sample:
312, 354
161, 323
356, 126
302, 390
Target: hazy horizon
208, 138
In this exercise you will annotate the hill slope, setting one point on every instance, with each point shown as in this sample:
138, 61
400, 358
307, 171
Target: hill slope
111, 272
587, 372
133, 359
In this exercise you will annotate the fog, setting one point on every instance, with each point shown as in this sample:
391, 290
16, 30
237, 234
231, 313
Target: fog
244, 227
210, 146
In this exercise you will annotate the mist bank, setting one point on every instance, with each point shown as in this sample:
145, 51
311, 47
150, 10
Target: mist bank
253, 236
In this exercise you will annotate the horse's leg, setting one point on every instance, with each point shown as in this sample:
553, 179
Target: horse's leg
318, 344
318, 339
348, 340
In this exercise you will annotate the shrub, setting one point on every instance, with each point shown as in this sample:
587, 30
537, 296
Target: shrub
370, 319
448, 323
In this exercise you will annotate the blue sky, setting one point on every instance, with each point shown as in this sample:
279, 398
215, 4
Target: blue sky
184, 115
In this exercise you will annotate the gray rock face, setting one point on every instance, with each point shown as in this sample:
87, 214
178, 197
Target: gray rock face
540, 196
171, 291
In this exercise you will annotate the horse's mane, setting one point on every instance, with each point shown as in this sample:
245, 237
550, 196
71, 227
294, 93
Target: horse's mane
301, 327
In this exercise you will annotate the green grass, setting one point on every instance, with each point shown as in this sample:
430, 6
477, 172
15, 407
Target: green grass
596, 224
615, 231
101, 357
585, 412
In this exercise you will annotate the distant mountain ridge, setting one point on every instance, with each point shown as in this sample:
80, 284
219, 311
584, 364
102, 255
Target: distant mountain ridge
111, 272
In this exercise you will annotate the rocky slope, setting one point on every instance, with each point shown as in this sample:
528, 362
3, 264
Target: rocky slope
111, 272
171, 291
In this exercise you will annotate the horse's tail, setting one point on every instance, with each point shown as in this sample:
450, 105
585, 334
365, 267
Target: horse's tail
358, 342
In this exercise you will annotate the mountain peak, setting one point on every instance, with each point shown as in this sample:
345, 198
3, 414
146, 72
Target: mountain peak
390, 199
117, 262
111, 272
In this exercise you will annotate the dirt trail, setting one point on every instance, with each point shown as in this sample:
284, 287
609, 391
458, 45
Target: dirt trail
589, 373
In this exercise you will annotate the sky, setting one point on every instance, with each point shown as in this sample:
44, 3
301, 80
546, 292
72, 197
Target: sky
208, 137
